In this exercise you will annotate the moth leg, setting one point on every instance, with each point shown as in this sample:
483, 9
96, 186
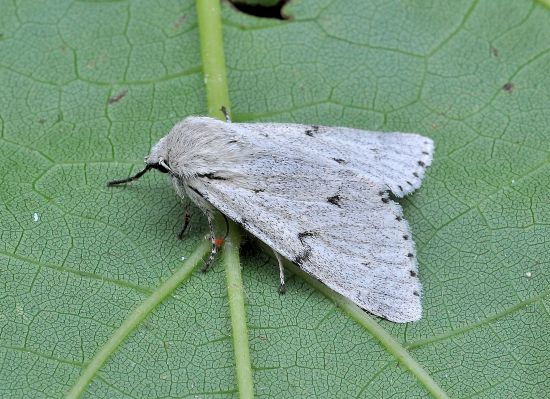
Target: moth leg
226, 114
216, 243
282, 286
186, 219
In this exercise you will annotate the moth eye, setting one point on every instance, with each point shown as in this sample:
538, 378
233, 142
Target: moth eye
162, 166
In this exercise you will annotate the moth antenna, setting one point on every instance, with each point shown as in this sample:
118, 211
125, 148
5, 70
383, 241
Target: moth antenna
129, 179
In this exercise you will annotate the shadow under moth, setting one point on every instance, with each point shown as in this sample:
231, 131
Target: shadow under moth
317, 195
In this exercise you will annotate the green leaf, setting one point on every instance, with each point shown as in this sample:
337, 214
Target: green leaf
88, 87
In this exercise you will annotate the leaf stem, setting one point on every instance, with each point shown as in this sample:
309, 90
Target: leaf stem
213, 60
235, 293
217, 94
135, 318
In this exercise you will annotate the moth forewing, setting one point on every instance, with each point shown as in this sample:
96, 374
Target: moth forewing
316, 195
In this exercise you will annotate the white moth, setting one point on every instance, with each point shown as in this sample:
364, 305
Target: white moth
316, 195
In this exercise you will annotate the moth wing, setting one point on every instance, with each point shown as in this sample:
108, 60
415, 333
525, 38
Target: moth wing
396, 161
335, 224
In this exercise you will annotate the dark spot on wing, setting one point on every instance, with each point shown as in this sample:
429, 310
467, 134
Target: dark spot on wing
304, 234
340, 160
508, 87
405, 237
421, 163
197, 192
304, 256
258, 190
232, 142
385, 200
413, 273
335, 200
399, 218
410, 255
425, 153
415, 293
313, 129
415, 174
409, 183
400, 188
211, 176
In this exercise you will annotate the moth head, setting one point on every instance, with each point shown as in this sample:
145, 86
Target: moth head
158, 159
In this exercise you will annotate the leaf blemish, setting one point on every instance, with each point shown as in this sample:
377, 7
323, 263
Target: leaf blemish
116, 98
508, 87
274, 11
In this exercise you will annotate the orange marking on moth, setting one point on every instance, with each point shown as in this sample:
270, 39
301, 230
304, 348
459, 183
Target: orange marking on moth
218, 242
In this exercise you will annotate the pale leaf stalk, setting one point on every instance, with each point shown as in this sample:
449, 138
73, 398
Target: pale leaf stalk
217, 94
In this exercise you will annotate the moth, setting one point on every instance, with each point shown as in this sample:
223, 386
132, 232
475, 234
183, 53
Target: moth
319, 196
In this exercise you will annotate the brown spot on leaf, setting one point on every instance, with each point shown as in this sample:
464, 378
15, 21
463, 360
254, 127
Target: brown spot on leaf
179, 22
508, 87
118, 97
